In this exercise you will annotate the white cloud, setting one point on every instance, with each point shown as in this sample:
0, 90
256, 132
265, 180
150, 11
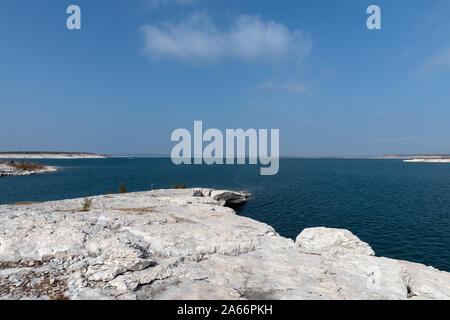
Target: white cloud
249, 38
439, 63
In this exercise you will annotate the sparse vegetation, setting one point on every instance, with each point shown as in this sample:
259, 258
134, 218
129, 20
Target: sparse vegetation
179, 186
123, 188
181, 219
137, 210
59, 296
33, 283
23, 203
24, 166
87, 204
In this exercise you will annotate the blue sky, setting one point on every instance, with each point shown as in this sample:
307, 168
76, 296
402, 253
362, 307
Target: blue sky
139, 69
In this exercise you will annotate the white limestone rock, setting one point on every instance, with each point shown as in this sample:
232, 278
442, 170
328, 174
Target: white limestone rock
169, 244
91, 294
331, 241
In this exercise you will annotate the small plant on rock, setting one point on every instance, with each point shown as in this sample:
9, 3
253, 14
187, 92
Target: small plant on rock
87, 204
123, 188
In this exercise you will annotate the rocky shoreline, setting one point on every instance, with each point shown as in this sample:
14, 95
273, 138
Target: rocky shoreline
185, 244
7, 169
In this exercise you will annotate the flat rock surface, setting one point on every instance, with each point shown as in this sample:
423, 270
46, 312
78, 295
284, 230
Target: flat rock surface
169, 244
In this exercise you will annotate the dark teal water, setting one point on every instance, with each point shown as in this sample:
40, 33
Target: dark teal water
400, 209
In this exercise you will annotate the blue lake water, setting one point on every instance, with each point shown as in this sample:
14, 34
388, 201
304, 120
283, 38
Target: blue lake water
400, 209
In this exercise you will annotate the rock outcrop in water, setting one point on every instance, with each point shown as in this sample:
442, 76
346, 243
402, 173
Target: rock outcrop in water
6, 169
184, 244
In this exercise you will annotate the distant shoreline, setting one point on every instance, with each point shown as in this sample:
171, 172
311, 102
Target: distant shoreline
388, 157
433, 160
382, 157
49, 155
87, 155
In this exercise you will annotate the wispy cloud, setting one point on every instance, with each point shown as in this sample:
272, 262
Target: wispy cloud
160, 3
438, 63
291, 86
249, 38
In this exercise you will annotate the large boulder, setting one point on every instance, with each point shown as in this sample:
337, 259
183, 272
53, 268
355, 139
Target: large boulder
224, 197
331, 241
230, 198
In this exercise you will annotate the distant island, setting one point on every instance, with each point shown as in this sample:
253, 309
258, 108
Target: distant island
430, 160
49, 155
17, 168
437, 158
386, 156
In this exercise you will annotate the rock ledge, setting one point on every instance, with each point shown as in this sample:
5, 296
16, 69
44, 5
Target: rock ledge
184, 244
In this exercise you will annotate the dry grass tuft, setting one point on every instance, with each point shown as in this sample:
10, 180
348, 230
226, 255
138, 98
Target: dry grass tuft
23, 203
59, 297
123, 188
137, 210
180, 219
